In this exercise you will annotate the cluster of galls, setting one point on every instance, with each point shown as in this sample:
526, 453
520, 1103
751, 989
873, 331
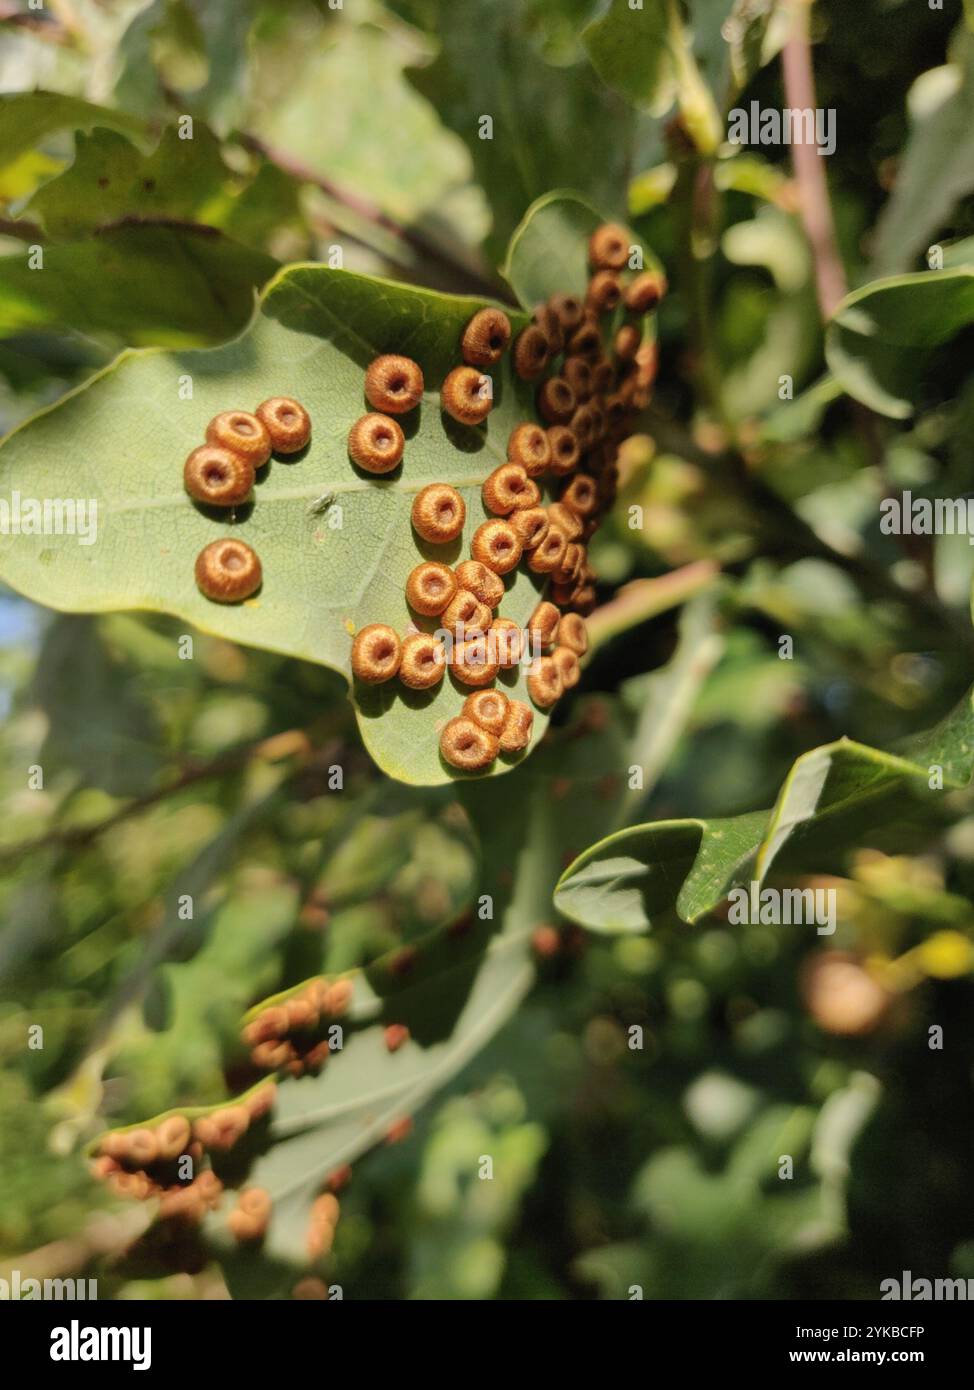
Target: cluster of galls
221, 473
288, 1036
145, 1162
586, 405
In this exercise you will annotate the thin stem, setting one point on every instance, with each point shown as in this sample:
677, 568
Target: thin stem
694, 196
464, 276
294, 741
784, 536
809, 166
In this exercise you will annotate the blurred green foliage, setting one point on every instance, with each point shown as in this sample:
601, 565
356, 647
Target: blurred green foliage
637, 1104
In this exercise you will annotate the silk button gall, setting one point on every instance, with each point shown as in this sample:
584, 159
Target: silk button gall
645, 292
508, 488
580, 495
543, 623
567, 663
565, 520
529, 446
218, 476
549, 554
287, 423
556, 401
430, 587
376, 653
604, 292
423, 661
488, 708
486, 338
481, 581
518, 726
376, 443
550, 324
467, 395
241, 433
530, 526
472, 661
544, 682
465, 610
496, 545
586, 341
465, 745
577, 371
530, 352
565, 452
506, 642
627, 342
568, 308
438, 513
228, 571
608, 247
394, 384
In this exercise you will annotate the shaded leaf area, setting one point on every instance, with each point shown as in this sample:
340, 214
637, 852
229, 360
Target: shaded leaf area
726, 1232
132, 245
631, 52
122, 440
936, 169
76, 680
839, 795
549, 126
548, 253
453, 988
27, 118
733, 39
193, 50
111, 178
880, 342
384, 141
194, 1007
148, 283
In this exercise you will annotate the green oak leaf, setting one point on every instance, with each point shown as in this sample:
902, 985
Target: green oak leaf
548, 253
196, 1004
680, 870
173, 284
389, 145
27, 118
936, 169
550, 125
646, 54
197, 48
122, 439
111, 179
631, 51
97, 722
881, 337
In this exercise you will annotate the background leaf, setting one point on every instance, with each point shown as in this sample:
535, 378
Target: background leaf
26, 118
110, 179
548, 253
157, 284
458, 993
551, 126
937, 166
881, 336
680, 870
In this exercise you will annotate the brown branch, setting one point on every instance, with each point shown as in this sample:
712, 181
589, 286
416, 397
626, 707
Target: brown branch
21, 229
809, 166
465, 276
38, 25
294, 741
784, 536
